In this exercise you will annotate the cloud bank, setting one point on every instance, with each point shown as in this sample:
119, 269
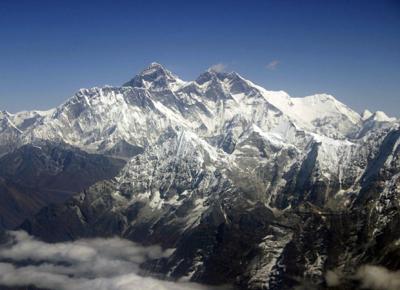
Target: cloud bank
369, 276
379, 278
109, 264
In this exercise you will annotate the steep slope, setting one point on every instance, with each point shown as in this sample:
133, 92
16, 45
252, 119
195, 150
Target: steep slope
10, 134
211, 206
34, 176
17, 203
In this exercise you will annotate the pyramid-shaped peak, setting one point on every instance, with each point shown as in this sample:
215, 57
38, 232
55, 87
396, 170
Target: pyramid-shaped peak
155, 76
366, 114
155, 68
155, 64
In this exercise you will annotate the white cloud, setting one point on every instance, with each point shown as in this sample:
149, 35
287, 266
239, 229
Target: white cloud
218, 67
111, 264
332, 278
369, 276
379, 278
273, 65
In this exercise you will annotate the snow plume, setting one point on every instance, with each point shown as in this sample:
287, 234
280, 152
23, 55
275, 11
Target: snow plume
111, 264
218, 67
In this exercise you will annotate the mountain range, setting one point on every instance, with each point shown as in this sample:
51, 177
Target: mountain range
252, 188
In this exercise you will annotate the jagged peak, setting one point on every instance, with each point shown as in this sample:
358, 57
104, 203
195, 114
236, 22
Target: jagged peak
6, 122
5, 113
155, 77
155, 67
155, 64
214, 75
380, 116
234, 74
366, 114
209, 75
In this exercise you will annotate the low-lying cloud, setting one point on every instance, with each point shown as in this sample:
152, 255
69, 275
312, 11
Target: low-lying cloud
109, 264
369, 276
379, 278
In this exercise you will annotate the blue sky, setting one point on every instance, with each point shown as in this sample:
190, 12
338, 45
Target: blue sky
351, 49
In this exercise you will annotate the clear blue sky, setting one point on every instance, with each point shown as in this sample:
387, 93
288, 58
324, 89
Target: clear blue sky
351, 49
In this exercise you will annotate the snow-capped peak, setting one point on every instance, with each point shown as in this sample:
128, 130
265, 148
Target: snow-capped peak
157, 78
4, 114
380, 116
155, 64
6, 123
320, 113
219, 106
207, 76
366, 114
155, 67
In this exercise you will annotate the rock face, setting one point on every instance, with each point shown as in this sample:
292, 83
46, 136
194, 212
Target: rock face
34, 176
252, 187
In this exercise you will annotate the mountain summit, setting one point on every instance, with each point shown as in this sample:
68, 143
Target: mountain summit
155, 77
214, 106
